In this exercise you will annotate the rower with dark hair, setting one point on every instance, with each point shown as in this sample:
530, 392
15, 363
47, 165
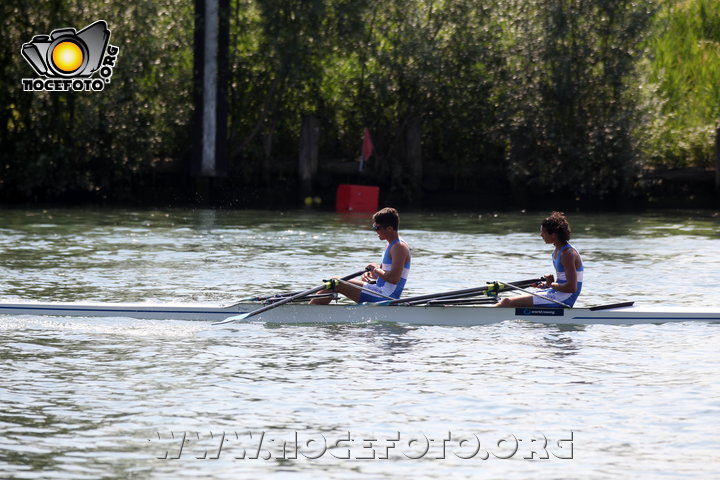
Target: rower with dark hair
384, 280
555, 229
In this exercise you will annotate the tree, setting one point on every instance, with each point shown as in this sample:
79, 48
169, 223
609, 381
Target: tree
574, 113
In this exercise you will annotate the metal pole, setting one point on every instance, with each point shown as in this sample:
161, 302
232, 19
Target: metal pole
209, 95
209, 125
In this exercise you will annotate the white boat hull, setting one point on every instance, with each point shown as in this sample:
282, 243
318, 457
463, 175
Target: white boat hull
342, 313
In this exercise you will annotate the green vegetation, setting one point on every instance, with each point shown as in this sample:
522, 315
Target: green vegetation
572, 97
684, 84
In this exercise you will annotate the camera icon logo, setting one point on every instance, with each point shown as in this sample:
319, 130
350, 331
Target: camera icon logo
68, 54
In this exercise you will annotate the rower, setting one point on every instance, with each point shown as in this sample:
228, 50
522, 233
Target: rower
555, 230
387, 279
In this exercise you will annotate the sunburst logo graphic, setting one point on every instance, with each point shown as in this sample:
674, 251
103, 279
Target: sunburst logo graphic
67, 59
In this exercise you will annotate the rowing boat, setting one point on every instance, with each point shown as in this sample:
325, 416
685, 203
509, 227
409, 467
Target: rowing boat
449, 315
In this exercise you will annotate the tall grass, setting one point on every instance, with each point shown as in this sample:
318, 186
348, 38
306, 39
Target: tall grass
684, 77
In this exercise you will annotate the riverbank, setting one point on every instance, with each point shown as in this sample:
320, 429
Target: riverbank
692, 188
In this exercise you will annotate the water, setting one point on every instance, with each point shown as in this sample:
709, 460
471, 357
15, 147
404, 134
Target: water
116, 398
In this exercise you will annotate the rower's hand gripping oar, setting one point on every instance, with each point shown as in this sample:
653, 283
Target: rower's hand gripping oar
327, 285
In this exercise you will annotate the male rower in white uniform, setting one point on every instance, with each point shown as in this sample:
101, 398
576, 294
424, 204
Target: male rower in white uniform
385, 280
568, 267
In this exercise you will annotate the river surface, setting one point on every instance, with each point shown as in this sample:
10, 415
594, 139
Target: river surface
120, 398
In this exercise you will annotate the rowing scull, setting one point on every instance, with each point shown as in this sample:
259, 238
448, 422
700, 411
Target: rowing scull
450, 315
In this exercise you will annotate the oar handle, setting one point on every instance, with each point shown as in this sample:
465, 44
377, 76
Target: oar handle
356, 274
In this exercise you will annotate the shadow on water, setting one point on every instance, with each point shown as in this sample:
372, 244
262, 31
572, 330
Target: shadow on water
384, 337
556, 338
561, 345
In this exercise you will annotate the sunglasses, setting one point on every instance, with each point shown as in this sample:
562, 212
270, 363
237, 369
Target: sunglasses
378, 227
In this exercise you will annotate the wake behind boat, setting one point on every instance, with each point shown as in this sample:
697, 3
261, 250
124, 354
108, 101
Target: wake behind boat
433, 314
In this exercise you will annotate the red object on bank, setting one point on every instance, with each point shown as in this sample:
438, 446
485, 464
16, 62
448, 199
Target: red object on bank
357, 198
367, 148
367, 145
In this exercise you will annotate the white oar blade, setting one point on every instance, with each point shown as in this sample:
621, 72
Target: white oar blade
234, 318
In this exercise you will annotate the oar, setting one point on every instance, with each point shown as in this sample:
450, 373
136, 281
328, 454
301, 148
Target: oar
325, 285
465, 292
263, 298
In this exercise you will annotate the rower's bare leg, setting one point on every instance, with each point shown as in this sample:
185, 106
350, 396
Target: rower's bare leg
350, 292
522, 301
323, 300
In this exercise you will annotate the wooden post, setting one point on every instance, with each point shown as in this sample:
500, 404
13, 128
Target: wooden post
308, 159
413, 155
267, 157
